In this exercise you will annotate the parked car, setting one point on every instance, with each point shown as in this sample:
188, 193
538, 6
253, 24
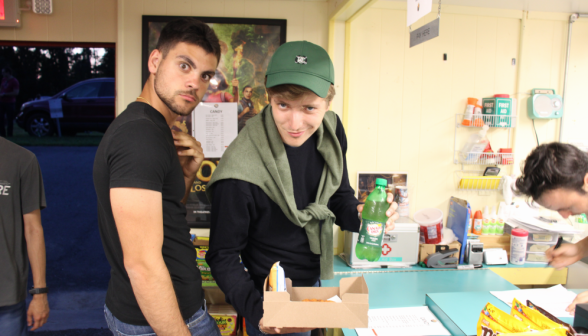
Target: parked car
87, 106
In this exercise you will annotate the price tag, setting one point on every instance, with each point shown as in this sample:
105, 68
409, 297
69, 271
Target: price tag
424, 33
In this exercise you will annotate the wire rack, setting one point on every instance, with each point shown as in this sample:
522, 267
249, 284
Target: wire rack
479, 158
472, 180
479, 120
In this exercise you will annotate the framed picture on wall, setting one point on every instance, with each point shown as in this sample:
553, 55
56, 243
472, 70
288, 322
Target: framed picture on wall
366, 182
247, 46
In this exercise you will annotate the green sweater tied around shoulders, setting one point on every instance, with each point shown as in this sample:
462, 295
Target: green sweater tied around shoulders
258, 156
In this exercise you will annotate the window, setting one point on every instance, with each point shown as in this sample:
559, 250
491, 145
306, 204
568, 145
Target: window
107, 89
89, 90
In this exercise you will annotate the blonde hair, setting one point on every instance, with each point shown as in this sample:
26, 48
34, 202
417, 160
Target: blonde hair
293, 92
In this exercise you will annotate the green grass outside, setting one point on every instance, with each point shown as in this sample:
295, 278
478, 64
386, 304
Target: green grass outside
22, 138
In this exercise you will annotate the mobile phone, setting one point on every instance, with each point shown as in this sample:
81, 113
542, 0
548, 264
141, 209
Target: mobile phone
491, 171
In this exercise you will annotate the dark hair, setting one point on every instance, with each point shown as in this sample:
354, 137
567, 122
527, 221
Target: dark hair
293, 92
247, 86
191, 31
7, 69
553, 166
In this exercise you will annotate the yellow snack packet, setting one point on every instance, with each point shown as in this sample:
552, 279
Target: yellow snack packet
551, 332
506, 320
535, 319
277, 278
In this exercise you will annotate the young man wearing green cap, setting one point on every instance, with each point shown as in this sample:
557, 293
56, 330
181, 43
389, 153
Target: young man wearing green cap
280, 187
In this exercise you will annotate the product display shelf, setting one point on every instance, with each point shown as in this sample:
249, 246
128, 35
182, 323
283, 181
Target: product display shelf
493, 121
485, 159
473, 180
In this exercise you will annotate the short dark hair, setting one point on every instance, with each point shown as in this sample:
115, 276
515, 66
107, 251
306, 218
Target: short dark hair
188, 30
7, 69
553, 166
246, 86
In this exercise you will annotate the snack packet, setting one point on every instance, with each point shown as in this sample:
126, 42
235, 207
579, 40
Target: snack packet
277, 278
493, 320
569, 329
533, 318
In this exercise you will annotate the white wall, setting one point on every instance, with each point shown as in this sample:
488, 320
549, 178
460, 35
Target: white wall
403, 101
71, 21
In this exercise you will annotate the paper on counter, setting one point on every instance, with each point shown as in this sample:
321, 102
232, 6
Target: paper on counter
553, 299
406, 321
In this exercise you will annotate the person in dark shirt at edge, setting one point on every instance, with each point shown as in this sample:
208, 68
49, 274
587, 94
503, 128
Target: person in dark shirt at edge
143, 172
280, 187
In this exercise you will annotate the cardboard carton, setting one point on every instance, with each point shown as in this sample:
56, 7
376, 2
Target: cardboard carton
427, 249
225, 317
286, 309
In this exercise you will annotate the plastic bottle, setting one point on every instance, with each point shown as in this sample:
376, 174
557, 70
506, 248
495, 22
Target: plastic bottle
518, 246
469, 112
373, 217
476, 144
486, 221
478, 120
502, 210
477, 229
493, 221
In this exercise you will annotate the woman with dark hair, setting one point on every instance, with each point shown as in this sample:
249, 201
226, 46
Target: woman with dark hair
218, 84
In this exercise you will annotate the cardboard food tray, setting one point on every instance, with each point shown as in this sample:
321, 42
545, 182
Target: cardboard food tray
286, 309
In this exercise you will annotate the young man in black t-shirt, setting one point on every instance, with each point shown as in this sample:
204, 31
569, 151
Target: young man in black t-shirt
142, 174
280, 185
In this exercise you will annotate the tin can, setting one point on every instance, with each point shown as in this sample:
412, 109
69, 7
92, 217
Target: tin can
402, 199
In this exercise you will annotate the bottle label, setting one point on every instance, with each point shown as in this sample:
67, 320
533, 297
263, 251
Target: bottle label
371, 232
478, 225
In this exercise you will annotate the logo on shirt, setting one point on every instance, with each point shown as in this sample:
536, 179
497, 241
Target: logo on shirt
301, 60
5, 188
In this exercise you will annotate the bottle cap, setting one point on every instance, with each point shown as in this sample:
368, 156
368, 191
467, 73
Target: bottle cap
472, 101
381, 182
520, 233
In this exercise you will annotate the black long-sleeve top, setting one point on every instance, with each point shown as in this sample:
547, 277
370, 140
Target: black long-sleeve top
246, 222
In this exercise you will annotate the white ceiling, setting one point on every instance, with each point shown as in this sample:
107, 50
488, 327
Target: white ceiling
565, 6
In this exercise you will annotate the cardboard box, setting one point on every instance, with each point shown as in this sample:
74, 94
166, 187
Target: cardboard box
225, 317
498, 112
286, 309
427, 249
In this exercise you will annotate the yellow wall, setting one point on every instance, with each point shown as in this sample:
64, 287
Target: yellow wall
307, 20
403, 101
575, 124
71, 21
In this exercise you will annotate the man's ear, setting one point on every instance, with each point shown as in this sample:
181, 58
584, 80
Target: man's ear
585, 187
154, 60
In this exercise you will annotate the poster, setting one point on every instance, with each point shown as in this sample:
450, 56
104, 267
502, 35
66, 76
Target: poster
247, 46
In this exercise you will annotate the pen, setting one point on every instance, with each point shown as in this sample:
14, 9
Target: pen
558, 244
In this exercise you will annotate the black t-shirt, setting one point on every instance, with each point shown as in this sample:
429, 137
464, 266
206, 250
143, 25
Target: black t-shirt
246, 221
137, 151
21, 192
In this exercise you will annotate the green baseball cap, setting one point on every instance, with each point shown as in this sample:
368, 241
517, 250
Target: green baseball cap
301, 63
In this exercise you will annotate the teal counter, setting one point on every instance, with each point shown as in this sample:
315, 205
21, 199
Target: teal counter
409, 289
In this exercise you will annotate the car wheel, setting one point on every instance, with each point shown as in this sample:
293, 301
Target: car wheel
40, 125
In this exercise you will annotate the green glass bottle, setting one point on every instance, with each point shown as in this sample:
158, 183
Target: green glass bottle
373, 218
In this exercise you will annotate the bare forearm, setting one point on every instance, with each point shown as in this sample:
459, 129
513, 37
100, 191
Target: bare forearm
35, 239
155, 294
